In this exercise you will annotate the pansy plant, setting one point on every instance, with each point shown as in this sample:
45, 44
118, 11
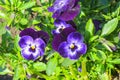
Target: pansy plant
65, 9
33, 43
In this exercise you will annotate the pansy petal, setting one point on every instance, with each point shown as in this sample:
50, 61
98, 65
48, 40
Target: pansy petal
59, 23
64, 49
36, 53
54, 32
71, 3
40, 45
27, 54
67, 31
43, 35
76, 2
25, 41
82, 48
51, 9
70, 14
56, 14
74, 55
72, 24
75, 37
29, 32
56, 41
62, 5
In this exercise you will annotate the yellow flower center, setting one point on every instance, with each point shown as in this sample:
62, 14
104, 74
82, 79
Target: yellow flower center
32, 47
72, 46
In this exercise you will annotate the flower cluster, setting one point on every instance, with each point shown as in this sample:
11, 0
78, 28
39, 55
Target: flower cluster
67, 41
33, 43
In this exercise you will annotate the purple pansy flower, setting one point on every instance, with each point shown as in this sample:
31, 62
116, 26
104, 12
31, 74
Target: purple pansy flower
60, 25
65, 9
70, 45
61, 37
73, 47
33, 43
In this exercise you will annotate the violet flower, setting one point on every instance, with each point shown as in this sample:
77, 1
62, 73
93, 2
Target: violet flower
74, 47
65, 9
61, 37
71, 46
33, 43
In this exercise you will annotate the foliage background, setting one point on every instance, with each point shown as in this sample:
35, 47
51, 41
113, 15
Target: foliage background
100, 62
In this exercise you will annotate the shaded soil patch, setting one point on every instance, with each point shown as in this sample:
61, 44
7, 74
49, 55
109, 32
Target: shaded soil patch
6, 77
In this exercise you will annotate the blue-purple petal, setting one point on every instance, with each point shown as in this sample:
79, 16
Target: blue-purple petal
29, 55
82, 48
74, 55
64, 49
56, 14
62, 5
40, 44
25, 41
70, 14
75, 37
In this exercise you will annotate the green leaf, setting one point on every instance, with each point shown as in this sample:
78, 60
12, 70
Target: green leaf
39, 66
51, 66
90, 27
67, 62
24, 21
19, 72
2, 15
89, 30
16, 45
38, 9
109, 27
2, 29
27, 5
84, 71
104, 76
103, 56
93, 38
115, 61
